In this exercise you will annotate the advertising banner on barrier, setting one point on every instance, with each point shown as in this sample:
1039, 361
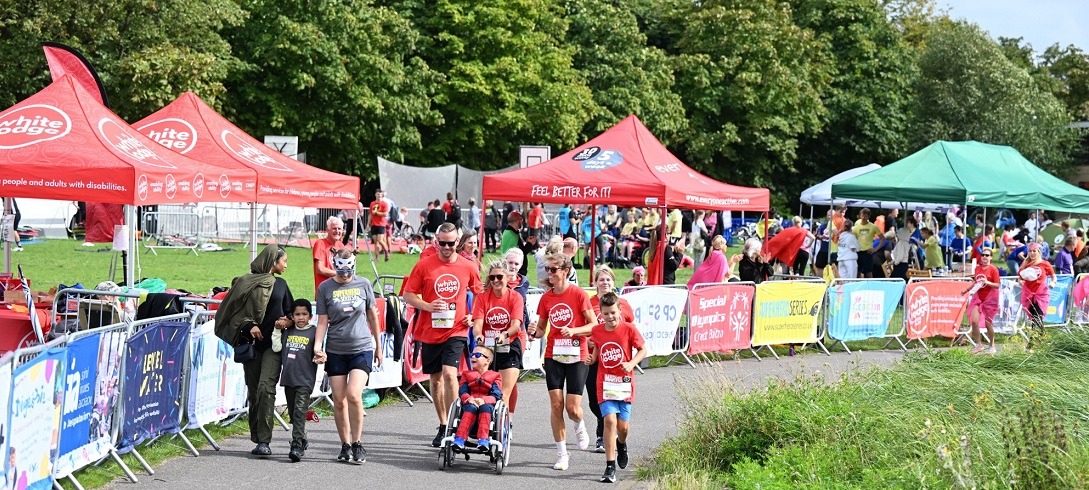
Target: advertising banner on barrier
658, 313
1009, 306
862, 309
217, 384
787, 312
35, 420
5, 418
533, 351
90, 394
413, 365
1081, 299
388, 374
1057, 311
935, 308
153, 382
720, 318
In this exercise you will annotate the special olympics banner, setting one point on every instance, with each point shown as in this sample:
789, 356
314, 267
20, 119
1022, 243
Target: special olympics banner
413, 365
935, 308
658, 313
533, 351
90, 395
720, 318
152, 384
1009, 306
862, 309
388, 374
5, 417
217, 384
1057, 312
787, 312
35, 420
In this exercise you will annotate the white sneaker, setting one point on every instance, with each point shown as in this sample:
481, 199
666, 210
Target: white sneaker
583, 438
561, 461
17, 249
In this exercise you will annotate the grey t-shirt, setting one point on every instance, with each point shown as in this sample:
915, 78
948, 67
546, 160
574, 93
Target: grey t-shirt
299, 369
346, 306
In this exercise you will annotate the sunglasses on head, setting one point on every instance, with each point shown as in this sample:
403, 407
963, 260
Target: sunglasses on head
478, 355
496, 277
443, 243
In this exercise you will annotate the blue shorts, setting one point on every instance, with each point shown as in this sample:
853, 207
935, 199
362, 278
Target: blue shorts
621, 409
341, 364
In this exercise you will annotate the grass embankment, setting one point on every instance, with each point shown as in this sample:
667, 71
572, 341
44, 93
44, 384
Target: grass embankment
941, 420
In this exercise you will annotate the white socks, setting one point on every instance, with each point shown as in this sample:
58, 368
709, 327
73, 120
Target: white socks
561, 447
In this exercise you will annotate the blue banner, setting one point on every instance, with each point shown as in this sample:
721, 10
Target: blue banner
91, 383
153, 371
862, 309
1060, 295
79, 392
35, 420
5, 416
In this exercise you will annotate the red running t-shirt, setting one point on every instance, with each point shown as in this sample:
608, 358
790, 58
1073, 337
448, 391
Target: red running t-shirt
434, 279
987, 273
1045, 270
560, 311
497, 313
626, 313
323, 255
614, 349
379, 206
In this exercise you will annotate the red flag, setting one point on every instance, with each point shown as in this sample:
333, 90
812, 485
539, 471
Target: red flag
786, 244
64, 60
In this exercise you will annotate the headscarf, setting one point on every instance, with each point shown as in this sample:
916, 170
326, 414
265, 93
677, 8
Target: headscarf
248, 297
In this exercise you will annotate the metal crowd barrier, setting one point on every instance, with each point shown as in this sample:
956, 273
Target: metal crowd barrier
681, 336
958, 332
736, 352
820, 321
826, 323
171, 230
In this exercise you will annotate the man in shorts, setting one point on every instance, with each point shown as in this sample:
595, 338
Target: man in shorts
322, 251
437, 288
866, 231
379, 223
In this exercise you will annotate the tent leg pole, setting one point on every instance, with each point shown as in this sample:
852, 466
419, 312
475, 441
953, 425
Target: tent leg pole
253, 231
129, 256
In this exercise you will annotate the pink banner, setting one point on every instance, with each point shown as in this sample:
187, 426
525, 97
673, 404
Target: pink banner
720, 318
935, 308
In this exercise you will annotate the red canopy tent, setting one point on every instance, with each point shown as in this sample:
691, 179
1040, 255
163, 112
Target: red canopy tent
627, 166
192, 128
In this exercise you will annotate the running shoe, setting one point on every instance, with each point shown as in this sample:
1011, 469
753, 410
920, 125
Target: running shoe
610, 474
621, 455
599, 446
17, 249
345, 453
979, 348
991, 351
562, 460
359, 455
438, 437
583, 438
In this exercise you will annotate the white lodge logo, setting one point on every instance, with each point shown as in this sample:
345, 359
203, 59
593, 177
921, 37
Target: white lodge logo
176, 134
126, 143
560, 316
32, 124
447, 286
250, 153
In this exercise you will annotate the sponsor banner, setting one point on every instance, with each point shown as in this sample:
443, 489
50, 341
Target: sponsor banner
1081, 300
658, 312
787, 312
720, 318
5, 419
1057, 311
862, 309
35, 420
90, 395
935, 308
217, 384
388, 374
533, 351
413, 365
153, 370
1009, 306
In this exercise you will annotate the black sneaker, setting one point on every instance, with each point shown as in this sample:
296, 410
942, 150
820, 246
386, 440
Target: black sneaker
296, 452
359, 455
599, 446
345, 453
610, 474
262, 449
438, 437
621, 455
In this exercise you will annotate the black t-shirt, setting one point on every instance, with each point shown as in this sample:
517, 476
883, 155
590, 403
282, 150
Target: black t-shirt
435, 217
279, 304
670, 265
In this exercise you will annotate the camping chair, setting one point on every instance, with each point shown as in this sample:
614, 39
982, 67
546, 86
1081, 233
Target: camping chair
95, 313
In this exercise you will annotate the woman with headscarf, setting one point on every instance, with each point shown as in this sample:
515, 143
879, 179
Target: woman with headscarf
259, 294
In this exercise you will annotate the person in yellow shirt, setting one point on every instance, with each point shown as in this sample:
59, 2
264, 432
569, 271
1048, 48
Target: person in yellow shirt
866, 232
932, 250
673, 225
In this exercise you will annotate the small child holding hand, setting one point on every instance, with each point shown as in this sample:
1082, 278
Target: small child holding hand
299, 373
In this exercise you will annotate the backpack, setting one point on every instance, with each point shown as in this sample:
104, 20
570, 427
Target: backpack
455, 213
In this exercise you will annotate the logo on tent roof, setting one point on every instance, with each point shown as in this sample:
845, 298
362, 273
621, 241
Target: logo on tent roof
198, 185
171, 186
129, 145
594, 159
224, 186
176, 134
32, 124
141, 187
249, 152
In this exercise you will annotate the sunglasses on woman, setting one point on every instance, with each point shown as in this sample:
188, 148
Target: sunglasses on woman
553, 269
496, 277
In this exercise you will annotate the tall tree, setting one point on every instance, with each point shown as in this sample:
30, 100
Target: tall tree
625, 75
751, 81
1069, 68
342, 75
969, 90
147, 53
509, 80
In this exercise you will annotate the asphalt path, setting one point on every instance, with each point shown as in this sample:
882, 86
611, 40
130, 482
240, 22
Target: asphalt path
398, 439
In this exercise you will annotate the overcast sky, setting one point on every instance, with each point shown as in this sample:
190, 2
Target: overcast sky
1040, 22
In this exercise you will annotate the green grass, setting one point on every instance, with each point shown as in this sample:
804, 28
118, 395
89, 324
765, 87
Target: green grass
939, 420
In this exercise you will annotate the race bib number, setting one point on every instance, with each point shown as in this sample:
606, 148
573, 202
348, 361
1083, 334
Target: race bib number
490, 336
616, 391
443, 319
566, 351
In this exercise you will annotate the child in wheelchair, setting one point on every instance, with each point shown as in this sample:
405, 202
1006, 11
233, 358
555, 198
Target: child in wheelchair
480, 390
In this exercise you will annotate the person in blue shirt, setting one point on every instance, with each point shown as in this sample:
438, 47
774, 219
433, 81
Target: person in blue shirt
959, 247
565, 220
1015, 258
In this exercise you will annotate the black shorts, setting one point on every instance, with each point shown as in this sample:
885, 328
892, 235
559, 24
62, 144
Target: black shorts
342, 364
378, 230
434, 356
558, 374
821, 260
865, 262
509, 360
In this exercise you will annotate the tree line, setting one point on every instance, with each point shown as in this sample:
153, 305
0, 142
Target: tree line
777, 94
